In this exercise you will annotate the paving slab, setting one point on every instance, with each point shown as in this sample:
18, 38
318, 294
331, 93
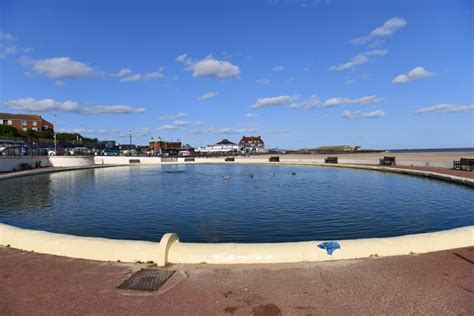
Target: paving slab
435, 283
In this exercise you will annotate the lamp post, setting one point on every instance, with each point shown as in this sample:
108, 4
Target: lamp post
130, 148
55, 141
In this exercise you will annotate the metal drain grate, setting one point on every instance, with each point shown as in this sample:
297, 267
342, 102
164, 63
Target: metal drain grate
147, 280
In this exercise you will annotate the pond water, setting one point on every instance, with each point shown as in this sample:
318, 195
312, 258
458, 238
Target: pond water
234, 203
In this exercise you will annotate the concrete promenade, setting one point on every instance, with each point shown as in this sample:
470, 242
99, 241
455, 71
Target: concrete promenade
439, 283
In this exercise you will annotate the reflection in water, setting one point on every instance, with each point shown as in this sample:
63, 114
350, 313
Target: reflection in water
217, 203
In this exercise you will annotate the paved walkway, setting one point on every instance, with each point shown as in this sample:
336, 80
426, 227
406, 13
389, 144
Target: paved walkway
451, 172
439, 283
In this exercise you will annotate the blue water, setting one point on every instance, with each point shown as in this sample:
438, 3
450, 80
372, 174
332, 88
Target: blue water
224, 203
431, 150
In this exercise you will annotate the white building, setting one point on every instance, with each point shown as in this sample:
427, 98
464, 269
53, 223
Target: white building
224, 146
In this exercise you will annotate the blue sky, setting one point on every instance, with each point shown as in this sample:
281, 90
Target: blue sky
382, 74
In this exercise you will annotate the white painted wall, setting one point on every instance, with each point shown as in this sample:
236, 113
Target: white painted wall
71, 161
114, 160
13, 163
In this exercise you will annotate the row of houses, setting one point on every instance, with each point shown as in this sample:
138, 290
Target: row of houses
25, 122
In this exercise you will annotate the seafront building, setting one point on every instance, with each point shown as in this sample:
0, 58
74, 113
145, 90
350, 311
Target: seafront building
159, 147
224, 146
25, 122
252, 144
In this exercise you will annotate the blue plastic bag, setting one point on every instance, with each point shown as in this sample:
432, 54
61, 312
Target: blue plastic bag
330, 246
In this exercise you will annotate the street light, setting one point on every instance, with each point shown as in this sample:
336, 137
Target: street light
55, 142
130, 148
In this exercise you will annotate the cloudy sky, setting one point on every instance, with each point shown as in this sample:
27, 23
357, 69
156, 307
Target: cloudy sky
382, 74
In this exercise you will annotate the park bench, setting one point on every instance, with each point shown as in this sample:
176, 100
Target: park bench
134, 161
388, 161
188, 159
229, 159
274, 159
330, 160
459, 164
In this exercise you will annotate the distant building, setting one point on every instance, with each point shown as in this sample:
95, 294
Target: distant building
224, 146
252, 144
108, 144
128, 150
25, 122
159, 147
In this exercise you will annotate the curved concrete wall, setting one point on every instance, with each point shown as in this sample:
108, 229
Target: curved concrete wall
171, 250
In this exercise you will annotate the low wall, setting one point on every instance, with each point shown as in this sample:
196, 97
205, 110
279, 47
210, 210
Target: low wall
71, 161
120, 160
171, 250
8, 163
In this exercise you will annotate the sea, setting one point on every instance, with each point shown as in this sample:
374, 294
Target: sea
428, 150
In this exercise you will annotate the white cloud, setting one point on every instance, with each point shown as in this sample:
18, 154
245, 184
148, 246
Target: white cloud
8, 50
356, 60
177, 123
49, 105
122, 72
414, 74
132, 78
214, 68
6, 36
309, 103
113, 109
273, 101
173, 117
208, 95
154, 75
168, 127
360, 114
58, 68
183, 58
226, 131
445, 108
126, 75
346, 101
263, 81
278, 68
210, 67
106, 132
388, 28
45, 105
360, 59
181, 123
250, 115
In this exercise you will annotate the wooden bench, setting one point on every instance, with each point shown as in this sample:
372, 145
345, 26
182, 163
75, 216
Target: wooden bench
134, 161
459, 164
229, 159
388, 161
330, 160
188, 159
274, 159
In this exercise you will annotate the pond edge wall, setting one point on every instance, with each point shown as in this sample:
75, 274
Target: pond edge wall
171, 250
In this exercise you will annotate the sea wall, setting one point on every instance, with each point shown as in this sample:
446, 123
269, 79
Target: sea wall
171, 250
